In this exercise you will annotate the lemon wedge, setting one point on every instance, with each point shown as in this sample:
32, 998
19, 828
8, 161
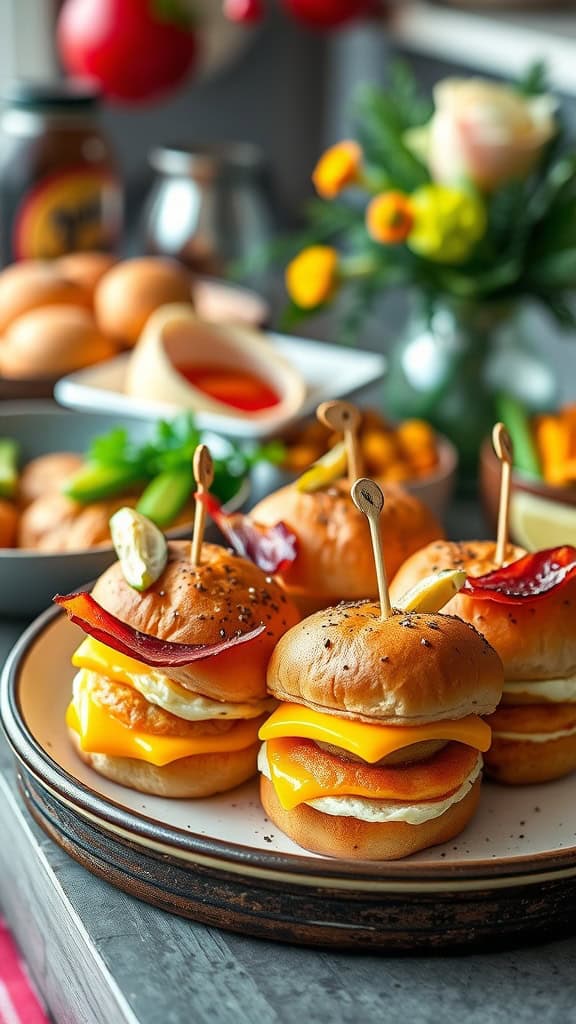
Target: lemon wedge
324, 471
538, 523
433, 592
141, 548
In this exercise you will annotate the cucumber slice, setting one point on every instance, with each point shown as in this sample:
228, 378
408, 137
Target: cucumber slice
141, 548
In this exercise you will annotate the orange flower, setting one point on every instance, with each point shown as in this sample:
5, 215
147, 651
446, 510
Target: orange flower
389, 217
312, 277
337, 168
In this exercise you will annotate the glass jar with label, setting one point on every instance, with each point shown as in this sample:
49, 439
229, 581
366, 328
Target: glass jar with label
60, 190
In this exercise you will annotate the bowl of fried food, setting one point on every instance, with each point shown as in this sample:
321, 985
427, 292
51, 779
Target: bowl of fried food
408, 453
64, 474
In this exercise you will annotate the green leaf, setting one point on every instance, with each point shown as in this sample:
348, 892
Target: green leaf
413, 109
114, 449
380, 130
330, 218
560, 309
556, 270
326, 221
292, 316
535, 80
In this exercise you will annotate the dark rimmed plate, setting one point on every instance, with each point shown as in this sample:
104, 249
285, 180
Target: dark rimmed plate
510, 875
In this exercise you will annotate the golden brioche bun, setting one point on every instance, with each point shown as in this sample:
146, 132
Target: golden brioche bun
30, 284
201, 604
132, 290
46, 474
535, 641
408, 669
8, 524
520, 762
351, 838
53, 340
85, 268
517, 761
475, 556
187, 778
335, 560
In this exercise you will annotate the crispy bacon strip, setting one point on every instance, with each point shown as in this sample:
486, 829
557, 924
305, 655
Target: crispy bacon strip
532, 577
84, 611
271, 548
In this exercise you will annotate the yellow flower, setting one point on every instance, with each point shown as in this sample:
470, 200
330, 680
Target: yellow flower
312, 277
389, 217
337, 168
447, 223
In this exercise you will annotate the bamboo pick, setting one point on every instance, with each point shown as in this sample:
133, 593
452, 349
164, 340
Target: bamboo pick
346, 419
369, 499
504, 450
203, 469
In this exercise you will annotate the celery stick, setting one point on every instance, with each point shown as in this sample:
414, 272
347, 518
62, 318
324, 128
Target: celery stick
166, 495
515, 418
9, 451
96, 481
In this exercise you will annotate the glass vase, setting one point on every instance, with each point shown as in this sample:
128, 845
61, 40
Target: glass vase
452, 360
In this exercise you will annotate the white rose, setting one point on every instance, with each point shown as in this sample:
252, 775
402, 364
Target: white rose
486, 132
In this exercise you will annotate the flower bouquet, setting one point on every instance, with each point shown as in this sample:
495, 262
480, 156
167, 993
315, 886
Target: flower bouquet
471, 203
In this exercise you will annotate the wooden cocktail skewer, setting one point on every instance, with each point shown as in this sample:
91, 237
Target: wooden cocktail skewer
346, 419
369, 499
503, 448
204, 475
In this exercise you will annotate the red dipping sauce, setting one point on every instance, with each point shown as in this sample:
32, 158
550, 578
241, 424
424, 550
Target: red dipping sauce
239, 390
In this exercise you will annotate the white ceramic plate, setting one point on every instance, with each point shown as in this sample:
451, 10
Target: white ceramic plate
330, 371
511, 873
528, 822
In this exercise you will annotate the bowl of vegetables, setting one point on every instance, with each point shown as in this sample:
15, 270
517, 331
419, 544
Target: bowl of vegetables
543, 490
64, 474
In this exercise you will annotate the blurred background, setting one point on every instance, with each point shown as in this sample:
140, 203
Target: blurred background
289, 89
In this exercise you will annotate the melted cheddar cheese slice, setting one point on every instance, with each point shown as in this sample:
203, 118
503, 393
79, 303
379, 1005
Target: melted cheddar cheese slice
97, 657
370, 742
100, 732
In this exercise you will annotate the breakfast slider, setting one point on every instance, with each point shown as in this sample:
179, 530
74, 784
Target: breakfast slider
527, 612
334, 560
524, 605
376, 749
171, 682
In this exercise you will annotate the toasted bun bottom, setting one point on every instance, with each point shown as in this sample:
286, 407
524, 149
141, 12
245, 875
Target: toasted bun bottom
188, 777
363, 840
520, 762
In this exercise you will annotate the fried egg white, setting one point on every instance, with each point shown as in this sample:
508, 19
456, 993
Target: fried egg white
558, 691
534, 737
383, 810
159, 690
